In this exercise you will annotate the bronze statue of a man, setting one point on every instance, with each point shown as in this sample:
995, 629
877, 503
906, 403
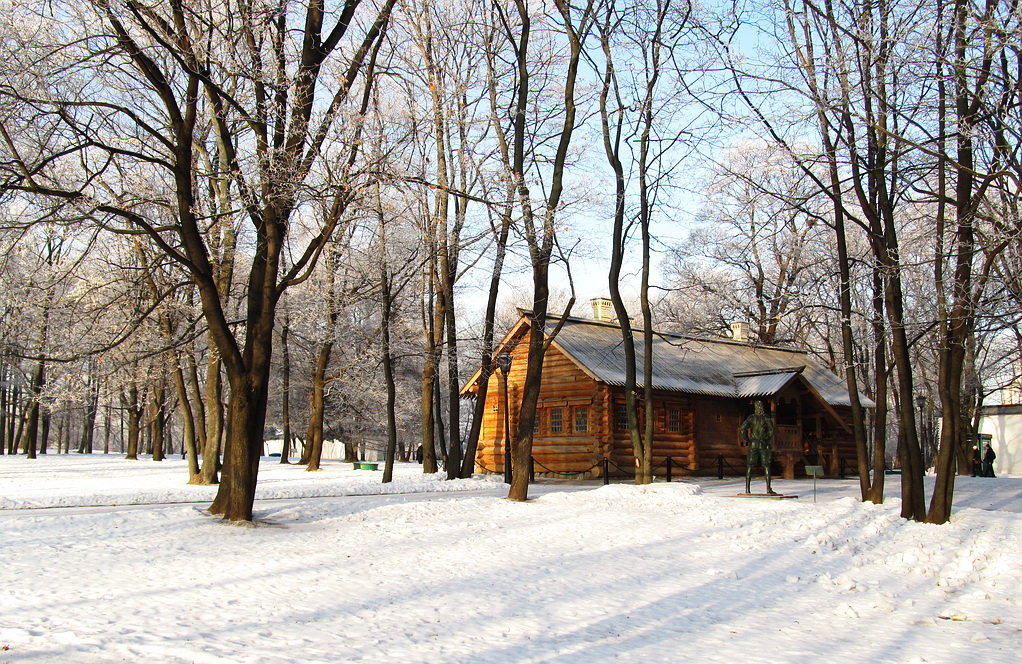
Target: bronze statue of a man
758, 431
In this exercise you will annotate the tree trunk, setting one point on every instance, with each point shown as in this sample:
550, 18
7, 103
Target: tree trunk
618, 245
195, 392
285, 398
157, 421
317, 401
957, 327
130, 404
45, 419
5, 407
214, 420
317, 407
61, 430
912, 493
245, 419
187, 422
521, 448
31, 435
881, 373
540, 236
106, 428
15, 434
439, 430
91, 411
248, 375
433, 326
388, 372
486, 363
454, 456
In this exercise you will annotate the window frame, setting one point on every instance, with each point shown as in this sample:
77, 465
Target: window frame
674, 420
557, 420
576, 412
620, 417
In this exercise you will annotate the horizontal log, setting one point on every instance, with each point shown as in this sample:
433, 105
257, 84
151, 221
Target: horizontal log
575, 463
554, 451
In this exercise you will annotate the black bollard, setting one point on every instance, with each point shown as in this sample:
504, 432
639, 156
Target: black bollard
669, 462
606, 471
720, 466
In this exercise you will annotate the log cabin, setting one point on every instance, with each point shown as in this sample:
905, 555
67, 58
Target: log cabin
703, 390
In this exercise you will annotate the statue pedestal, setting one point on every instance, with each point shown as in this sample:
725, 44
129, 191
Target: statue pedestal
768, 496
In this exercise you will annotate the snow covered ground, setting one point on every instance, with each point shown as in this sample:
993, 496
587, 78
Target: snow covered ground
344, 569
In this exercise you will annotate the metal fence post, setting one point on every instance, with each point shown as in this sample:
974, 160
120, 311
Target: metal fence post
670, 460
532, 469
606, 471
720, 466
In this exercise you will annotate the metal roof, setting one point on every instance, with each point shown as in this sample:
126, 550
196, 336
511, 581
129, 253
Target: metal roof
763, 385
694, 365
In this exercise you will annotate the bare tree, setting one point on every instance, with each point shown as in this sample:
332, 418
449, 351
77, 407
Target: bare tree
640, 116
539, 213
170, 83
760, 247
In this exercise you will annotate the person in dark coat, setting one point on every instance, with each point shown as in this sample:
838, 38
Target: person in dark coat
988, 462
418, 454
977, 462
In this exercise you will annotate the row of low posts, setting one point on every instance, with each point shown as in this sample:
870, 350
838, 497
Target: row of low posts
606, 469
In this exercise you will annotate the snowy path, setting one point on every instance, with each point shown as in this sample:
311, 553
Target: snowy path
261, 504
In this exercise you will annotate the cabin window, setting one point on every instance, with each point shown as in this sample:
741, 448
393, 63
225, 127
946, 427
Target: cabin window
582, 419
621, 417
556, 420
674, 419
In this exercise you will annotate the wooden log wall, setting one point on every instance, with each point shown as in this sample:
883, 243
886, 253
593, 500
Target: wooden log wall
677, 444
566, 391
707, 427
717, 423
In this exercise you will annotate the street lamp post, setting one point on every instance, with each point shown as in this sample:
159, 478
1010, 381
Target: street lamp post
504, 365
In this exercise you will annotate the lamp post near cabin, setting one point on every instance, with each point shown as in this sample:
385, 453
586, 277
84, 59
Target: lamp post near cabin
504, 365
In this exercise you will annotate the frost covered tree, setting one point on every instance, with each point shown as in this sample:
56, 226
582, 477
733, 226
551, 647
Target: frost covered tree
915, 109
759, 247
106, 120
648, 54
